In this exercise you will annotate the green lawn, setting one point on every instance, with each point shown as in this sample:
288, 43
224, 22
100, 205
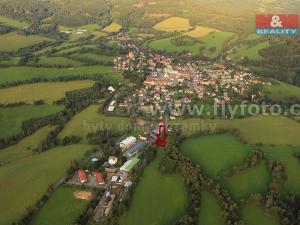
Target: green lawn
25, 147
285, 155
91, 120
216, 153
210, 210
158, 199
250, 52
26, 180
49, 92
255, 215
12, 74
14, 41
12, 23
212, 40
245, 183
11, 119
282, 92
277, 130
61, 209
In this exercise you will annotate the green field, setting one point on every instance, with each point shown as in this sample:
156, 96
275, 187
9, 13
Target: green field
57, 61
215, 154
213, 40
173, 24
26, 180
12, 74
157, 199
247, 182
25, 147
11, 119
13, 61
250, 52
61, 209
49, 92
276, 130
91, 120
12, 23
282, 92
92, 57
14, 41
255, 215
210, 210
67, 48
285, 155
112, 28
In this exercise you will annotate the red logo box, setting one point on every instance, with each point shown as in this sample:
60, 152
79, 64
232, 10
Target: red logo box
288, 21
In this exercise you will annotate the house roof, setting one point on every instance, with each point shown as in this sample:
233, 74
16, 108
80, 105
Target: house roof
135, 148
130, 164
82, 175
99, 178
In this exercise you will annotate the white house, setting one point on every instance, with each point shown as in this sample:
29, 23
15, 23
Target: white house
127, 143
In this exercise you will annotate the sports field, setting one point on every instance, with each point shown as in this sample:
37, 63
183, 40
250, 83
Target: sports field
210, 210
61, 209
112, 28
255, 215
14, 41
157, 199
33, 173
173, 24
11, 119
245, 183
91, 120
12, 74
49, 92
276, 130
215, 154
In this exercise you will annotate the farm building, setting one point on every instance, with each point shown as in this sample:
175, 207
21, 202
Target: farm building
127, 143
134, 149
99, 178
82, 176
129, 165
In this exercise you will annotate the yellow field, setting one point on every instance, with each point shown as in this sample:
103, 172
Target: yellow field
173, 24
47, 91
112, 28
200, 31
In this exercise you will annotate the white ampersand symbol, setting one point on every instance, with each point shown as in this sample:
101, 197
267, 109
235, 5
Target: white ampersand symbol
276, 22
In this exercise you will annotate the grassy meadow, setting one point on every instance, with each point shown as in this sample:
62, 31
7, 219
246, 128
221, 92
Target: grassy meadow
57, 61
210, 210
255, 215
250, 52
27, 179
282, 91
49, 92
92, 57
200, 31
11, 119
13, 74
91, 120
215, 154
61, 209
173, 24
276, 130
112, 28
14, 41
157, 199
12, 23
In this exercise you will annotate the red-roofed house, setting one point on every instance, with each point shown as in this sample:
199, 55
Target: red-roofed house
82, 176
99, 178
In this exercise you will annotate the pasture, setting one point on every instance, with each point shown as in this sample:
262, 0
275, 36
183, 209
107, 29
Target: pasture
11, 119
92, 57
12, 23
49, 92
200, 31
247, 182
112, 28
276, 130
250, 52
210, 210
61, 209
173, 24
22, 73
33, 173
157, 199
285, 155
282, 92
14, 41
215, 154
91, 120
255, 215
57, 61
